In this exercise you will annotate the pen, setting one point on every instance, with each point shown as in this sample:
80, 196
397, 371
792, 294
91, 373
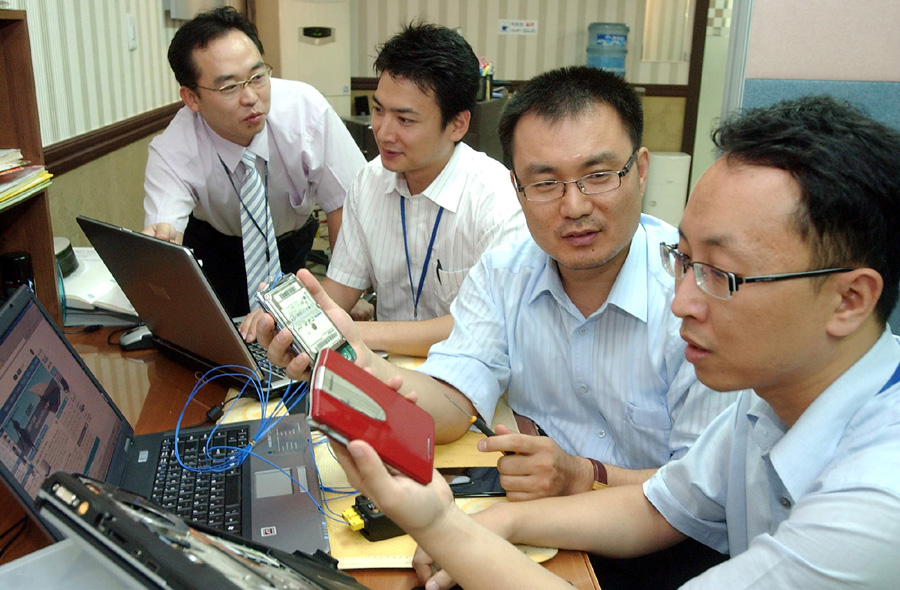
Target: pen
475, 420
437, 271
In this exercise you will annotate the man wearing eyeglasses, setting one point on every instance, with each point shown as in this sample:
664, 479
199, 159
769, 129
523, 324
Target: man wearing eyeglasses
242, 134
574, 321
786, 272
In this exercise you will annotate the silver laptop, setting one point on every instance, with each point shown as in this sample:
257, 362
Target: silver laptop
55, 416
172, 296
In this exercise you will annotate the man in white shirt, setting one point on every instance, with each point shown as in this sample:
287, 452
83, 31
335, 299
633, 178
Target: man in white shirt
422, 212
304, 155
786, 273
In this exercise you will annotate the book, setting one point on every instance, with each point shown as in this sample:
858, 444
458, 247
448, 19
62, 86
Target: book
12, 169
10, 158
27, 177
23, 194
91, 286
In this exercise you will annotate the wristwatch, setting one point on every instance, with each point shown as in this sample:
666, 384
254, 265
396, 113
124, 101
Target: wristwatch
600, 480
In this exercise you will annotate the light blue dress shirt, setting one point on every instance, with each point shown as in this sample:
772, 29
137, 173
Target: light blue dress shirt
813, 506
614, 386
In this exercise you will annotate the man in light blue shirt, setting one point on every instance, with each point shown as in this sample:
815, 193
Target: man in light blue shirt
786, 270
574, 322
612, 386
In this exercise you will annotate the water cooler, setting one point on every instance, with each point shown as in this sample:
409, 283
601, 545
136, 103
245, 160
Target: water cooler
607, 46
667, 185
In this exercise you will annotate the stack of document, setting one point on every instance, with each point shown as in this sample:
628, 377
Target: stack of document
19, 178
92, 296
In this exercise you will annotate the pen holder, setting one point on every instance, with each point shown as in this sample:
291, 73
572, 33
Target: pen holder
485, 87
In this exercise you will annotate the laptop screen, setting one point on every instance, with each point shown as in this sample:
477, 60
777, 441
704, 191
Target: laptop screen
53, 416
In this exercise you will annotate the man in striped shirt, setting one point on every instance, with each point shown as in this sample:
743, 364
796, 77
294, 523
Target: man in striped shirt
421, 213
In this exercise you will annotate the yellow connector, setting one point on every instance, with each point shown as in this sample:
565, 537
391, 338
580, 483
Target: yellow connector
353, 518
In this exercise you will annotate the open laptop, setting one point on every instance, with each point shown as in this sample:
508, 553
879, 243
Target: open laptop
55, 416
167, 287
146, 547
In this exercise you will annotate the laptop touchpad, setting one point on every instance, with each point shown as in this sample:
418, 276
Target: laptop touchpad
272, 483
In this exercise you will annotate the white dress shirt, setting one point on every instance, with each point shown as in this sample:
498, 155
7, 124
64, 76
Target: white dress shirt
480, 211
310, 156
614, 386
813, 506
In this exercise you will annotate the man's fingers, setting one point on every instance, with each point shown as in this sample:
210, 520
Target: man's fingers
265, 330
373, 475
502, 429
440, 581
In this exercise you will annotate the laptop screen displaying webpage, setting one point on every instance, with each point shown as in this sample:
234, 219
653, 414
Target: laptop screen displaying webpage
53, 416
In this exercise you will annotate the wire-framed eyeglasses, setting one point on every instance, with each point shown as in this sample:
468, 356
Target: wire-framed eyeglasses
722, 284
589, 184
257, 81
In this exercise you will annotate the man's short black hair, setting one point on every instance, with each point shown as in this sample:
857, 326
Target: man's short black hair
438, 61
848, 169
569, 92
198, 32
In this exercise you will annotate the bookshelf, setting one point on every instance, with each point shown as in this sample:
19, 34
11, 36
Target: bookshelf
25, 225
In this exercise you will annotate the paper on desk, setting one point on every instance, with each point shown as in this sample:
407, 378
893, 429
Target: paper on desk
354, 551
351, 548
248, 408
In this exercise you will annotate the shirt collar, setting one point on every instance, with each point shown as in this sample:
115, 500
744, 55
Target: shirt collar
629, 291
446, 190
801, 455
231, 152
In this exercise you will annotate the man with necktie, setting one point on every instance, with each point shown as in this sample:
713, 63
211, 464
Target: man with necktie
237, 172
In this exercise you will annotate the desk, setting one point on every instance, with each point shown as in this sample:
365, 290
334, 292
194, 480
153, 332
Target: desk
151, 390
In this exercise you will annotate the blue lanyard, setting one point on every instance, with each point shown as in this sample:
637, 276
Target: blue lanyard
892, 381
418, 293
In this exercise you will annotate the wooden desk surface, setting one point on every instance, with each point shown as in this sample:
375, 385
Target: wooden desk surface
151, 390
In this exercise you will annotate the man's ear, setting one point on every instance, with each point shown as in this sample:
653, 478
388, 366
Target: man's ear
459, 125
642, 162
856, 295
512, 180
189, 98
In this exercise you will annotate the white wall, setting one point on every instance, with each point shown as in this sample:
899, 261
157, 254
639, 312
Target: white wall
825, 40
85, 75
561, 37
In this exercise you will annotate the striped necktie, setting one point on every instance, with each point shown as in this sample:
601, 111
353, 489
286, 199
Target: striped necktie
260, 247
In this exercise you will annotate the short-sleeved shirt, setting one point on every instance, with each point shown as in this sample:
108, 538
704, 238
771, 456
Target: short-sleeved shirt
480, 210
816, 505
613, 386
310, 158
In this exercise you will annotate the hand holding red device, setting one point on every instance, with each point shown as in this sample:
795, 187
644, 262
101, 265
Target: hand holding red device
348, 403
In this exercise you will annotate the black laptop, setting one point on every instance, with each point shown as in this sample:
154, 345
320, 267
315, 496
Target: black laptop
55, 416
172, 296
152, 548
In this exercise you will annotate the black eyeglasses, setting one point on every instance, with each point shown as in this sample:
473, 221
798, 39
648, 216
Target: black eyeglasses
589, 184
257, 81
719, 283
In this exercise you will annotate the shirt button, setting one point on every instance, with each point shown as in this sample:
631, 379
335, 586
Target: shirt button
582, 331
785, 502
601, 433
583, 388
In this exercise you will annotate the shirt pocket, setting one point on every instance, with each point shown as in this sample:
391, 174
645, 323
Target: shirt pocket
654, 419
448, 285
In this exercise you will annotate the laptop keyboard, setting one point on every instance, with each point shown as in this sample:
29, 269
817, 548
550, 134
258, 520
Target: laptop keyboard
259, 355
213, 499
